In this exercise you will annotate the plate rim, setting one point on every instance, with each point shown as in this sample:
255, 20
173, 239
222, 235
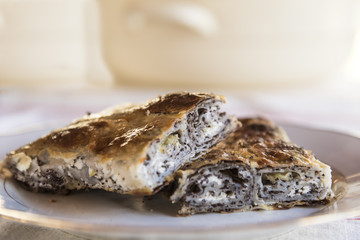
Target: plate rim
42, 220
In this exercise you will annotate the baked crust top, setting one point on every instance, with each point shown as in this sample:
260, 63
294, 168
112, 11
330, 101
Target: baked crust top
118, 133
258, 143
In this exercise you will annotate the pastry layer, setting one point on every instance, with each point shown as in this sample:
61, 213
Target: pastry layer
256, 167
126, 149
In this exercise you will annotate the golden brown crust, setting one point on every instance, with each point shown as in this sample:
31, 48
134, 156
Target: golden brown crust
258, 143
122, 133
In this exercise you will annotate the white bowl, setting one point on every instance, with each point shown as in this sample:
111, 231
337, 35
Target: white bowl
225, 43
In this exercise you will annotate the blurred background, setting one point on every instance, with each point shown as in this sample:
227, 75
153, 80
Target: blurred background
292, 61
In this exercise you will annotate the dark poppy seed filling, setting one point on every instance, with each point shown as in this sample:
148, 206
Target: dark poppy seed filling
215, 188
274, 185
234, 187
190, 138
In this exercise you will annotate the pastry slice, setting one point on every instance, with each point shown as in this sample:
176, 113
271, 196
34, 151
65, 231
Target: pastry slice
256, 167
131, 150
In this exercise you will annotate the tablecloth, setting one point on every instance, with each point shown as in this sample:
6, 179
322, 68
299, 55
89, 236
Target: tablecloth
336, 108
348, 229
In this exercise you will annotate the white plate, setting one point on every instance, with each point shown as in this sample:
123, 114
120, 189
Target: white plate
112, 215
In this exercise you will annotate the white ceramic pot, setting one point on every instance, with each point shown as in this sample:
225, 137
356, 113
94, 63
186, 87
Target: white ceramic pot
225, 43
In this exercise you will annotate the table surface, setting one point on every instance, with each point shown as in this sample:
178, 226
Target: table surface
22, 110
348, 229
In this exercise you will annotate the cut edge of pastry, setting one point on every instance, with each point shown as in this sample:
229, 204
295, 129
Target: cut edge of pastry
185, 144
233, 187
